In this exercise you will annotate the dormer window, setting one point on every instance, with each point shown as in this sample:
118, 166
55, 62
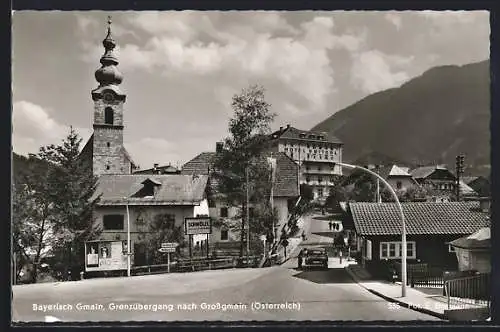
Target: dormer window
108, 116
150, 188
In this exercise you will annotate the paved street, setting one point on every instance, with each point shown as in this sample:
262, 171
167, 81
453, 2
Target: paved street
302, 295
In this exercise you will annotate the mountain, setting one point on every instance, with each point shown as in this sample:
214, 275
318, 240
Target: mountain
428, 120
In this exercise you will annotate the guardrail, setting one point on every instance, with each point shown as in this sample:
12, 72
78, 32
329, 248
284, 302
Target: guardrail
197, 264
471, 291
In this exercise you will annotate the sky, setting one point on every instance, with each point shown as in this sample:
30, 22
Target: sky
181, 68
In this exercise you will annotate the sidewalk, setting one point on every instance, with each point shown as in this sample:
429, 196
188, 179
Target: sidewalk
430, 301
431, 304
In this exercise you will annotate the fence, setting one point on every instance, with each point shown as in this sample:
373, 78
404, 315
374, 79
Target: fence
469, 291
197, 264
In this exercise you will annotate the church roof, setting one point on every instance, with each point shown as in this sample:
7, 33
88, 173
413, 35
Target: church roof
173, 189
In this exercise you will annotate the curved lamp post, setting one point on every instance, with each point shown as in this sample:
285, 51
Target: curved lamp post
128, 237
403, 232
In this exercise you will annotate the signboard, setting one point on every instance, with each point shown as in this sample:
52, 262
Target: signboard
197, 225
165, 250
169, 244
105, 255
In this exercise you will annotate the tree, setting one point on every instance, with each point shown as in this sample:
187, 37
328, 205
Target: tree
32, 216
157, 228
243, 151
71, 187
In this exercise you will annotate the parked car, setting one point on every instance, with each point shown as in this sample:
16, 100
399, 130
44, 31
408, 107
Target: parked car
315, 257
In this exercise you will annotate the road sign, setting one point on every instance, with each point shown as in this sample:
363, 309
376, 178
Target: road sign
169, 244
169, 250
197, 225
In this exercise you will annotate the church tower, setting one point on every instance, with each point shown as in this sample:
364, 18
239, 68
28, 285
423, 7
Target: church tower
108, 153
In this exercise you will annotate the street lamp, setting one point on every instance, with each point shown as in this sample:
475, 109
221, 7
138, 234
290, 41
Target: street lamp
403, 233
128, 237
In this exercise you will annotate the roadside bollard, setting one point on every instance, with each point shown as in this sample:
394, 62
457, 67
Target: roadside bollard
82, 275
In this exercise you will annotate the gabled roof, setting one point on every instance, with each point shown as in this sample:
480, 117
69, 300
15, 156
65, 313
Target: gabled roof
469, 179
426, 171
294, 133
286, 177
421, 218
466, 190
168, 169
479, 240
398, 171
199, 164
173, 189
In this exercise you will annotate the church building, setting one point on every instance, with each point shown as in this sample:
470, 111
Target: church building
132, 206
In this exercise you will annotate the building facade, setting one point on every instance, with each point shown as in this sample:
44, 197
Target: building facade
316, 154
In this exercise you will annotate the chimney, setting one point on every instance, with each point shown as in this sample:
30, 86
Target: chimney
219, 146
287, 126
155, 166
281, 128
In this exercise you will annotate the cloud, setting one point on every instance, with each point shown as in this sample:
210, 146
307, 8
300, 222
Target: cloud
33, 127
394, 19
257, 45
374, 71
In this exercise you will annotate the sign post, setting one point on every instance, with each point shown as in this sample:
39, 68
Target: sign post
168, 247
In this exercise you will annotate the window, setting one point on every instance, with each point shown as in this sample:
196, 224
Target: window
320, 192
112, 222
211, 203
251, 212
399, 185
107, 167
108, 115
392, 250
224, 235
223, 212
167, 219
108, 144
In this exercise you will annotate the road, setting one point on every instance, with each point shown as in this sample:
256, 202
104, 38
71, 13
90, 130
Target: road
278, 293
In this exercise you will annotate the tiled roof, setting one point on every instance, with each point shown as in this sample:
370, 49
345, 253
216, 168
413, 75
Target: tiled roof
294, 133
422, 172
174, 189
466, 189
199, 164
286, 177
421, 218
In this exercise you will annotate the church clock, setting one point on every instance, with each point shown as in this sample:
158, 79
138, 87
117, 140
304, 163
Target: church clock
109, 97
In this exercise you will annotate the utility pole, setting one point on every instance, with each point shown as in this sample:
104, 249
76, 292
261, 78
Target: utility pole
128, 240
459, 167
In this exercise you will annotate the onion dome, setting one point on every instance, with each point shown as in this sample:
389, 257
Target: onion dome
108, 73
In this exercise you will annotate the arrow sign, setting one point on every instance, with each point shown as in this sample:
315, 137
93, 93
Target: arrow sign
169, 244
171, 249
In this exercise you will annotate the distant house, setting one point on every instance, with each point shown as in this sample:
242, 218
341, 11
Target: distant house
174, 197
316, 154
397, 177
474, 251
285, 193
436, 179
167, 169
430, 227
480, 184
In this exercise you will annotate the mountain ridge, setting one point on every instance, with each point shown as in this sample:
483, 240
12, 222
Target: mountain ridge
427, 120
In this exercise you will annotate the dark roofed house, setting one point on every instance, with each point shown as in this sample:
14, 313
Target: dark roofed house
480, 184
429, 226
174, 197
438, 180
285, 192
